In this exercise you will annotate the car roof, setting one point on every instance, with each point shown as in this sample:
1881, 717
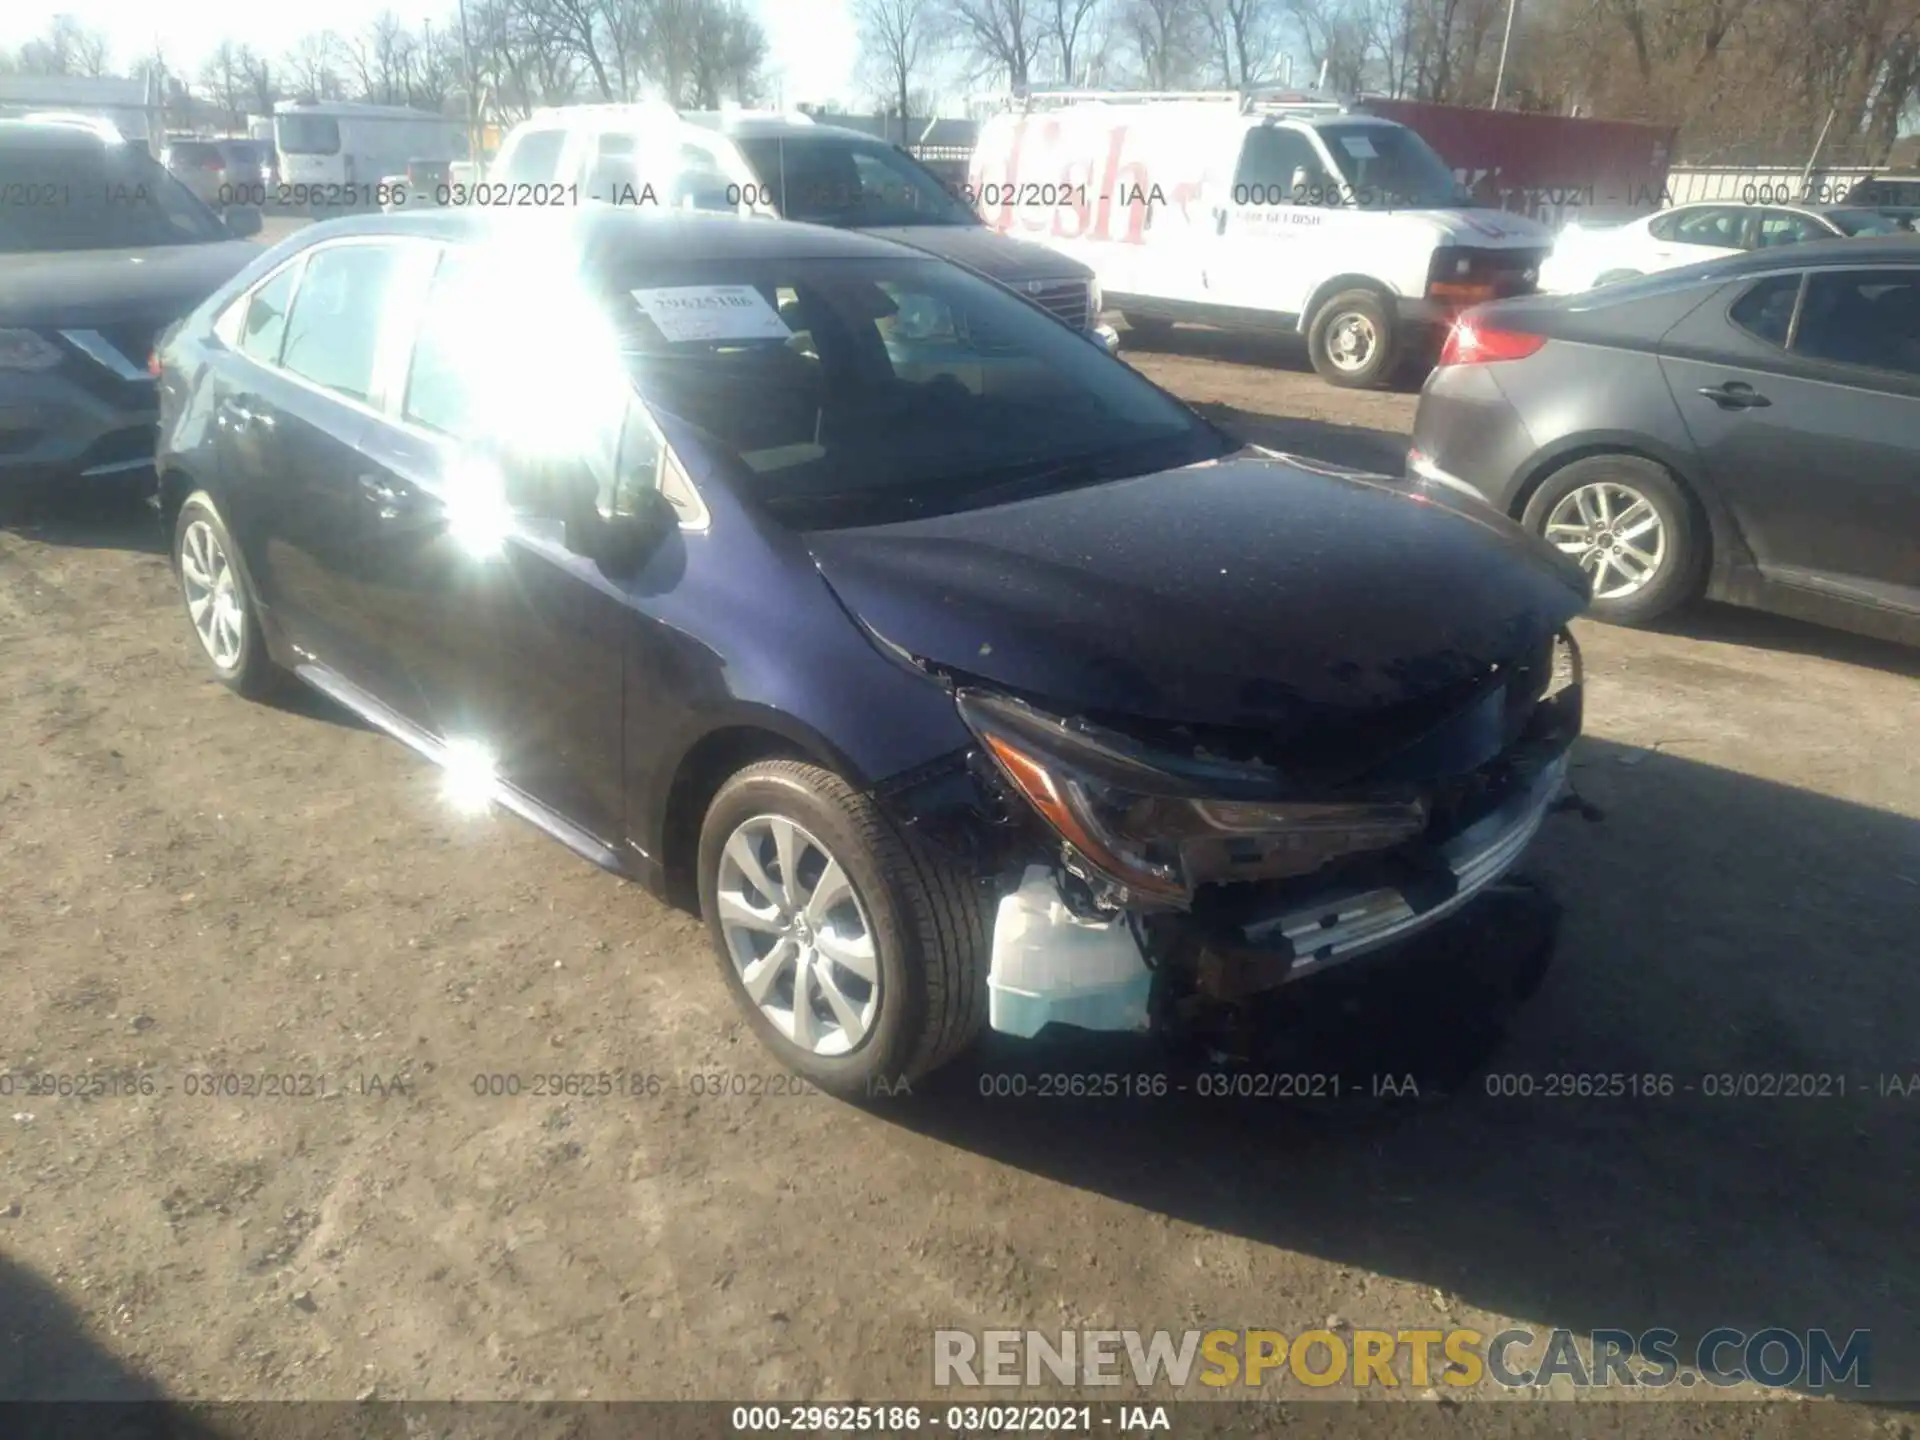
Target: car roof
19, 133
639, 233
761, 127
1813, 254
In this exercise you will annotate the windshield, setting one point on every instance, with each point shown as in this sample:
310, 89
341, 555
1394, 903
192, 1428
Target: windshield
1865, 222
854, 391
307, 134
834, 181
98, 198
1388, 167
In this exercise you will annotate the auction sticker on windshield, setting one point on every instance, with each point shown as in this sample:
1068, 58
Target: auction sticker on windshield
712, 312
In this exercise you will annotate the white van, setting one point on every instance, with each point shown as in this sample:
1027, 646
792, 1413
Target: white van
1256, 211
337, 154
633, 154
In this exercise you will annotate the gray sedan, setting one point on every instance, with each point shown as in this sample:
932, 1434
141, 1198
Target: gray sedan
1747, 429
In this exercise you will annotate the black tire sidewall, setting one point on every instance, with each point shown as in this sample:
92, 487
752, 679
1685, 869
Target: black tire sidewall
1677, 582
1381, 368
882, 1058
250, 671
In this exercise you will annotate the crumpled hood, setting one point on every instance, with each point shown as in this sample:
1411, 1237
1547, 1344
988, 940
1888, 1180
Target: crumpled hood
75, 289
1257, 590
982, 248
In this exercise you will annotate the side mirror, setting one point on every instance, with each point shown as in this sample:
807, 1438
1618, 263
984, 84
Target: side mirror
244, 222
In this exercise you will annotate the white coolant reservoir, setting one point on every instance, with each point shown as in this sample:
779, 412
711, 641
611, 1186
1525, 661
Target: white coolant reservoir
1050, 967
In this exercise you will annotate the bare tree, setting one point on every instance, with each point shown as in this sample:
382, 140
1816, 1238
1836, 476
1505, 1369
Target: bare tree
1069, 27
256, 73
67, 48
1246, 37
897, 38
225, 80
313, 66
1001, 37
1165, 39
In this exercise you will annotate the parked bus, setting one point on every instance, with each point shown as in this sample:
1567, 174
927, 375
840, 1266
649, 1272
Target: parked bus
353, 147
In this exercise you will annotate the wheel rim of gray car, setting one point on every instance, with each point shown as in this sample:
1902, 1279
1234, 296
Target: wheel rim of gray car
1614, 534
213, 594
798, 935
1351, 340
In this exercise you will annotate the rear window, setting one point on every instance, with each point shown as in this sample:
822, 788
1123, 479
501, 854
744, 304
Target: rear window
307, 134
91, 196
192, 152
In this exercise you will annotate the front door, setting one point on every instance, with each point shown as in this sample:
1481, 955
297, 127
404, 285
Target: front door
1805, 407
1276, 226
500, 640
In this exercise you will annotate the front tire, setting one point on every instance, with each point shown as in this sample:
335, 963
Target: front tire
858, 956
1355, 341
1627, 523
219, 603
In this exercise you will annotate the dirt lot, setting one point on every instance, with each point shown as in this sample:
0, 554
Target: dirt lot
192, 885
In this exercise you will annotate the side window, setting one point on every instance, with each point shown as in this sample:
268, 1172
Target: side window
333, 332
1862, 317
1720, 226
1766, 311
1663, 225
535, 154
1270, 162
262, 317
637, 466
700, 182
438, 395
1783, 227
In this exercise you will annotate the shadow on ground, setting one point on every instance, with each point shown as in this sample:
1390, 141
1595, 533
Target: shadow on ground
1730, 935
1758, 630
1263, 348
98, 514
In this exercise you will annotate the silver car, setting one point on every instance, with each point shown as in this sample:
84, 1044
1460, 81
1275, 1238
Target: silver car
221, 172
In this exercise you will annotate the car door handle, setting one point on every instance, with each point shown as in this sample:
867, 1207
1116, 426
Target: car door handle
240, 417
393, 500
1735, 396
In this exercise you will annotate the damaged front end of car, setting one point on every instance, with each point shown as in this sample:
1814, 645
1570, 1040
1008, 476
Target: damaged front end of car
1147, 876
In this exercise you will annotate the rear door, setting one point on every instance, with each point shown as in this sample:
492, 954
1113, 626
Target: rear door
1690, 234
292, 427
1802, 392
1773, 227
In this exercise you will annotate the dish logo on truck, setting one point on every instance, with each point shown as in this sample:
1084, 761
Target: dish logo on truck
1063, 181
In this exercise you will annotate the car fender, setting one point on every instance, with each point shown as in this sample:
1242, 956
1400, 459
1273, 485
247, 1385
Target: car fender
1730, 554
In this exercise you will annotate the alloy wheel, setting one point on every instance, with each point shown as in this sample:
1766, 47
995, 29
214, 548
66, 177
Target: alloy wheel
1613, 533
798, 935
1351, 341
214, 602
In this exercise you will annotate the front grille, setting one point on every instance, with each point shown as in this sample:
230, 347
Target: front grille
1065, 300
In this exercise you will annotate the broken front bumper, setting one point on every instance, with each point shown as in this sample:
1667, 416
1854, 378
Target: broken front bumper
1052, 967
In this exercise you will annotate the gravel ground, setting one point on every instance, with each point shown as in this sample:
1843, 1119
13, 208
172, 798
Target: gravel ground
193, 886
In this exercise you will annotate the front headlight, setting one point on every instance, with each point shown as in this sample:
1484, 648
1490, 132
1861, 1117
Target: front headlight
24, 350
1159, 825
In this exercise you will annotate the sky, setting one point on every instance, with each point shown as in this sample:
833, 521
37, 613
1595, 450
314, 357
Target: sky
813, 44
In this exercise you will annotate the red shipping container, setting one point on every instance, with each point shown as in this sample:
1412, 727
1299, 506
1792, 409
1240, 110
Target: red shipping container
1552, 167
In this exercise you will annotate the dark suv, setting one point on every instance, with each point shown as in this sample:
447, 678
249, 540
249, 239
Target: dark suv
819, 174
100, 249
954, 672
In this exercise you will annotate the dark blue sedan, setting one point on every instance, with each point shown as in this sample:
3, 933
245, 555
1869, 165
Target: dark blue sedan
954, 672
